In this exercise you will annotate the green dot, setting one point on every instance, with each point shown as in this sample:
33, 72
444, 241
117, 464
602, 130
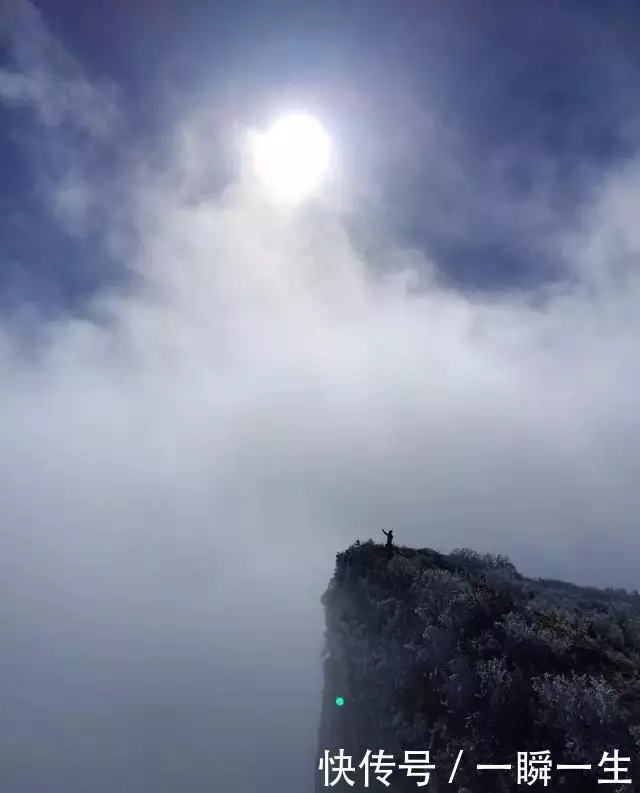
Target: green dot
339, 701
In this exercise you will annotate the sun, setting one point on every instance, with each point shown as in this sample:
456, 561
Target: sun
292, 157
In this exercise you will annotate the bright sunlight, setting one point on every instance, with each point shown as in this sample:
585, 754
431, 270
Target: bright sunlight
292, 157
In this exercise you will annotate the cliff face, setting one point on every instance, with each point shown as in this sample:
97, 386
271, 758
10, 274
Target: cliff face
460, 653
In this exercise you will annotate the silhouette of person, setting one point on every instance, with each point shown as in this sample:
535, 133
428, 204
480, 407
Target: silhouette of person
389, 536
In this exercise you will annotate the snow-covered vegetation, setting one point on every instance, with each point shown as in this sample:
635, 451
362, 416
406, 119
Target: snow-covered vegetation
459, 651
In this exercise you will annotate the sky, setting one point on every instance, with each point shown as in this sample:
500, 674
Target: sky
204, 396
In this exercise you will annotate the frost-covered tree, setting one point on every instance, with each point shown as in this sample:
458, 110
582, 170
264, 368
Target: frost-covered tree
460, 652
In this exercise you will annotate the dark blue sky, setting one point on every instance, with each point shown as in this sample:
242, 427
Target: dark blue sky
523, 98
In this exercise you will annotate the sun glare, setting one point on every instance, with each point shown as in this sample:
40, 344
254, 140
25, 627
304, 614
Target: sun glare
292, 157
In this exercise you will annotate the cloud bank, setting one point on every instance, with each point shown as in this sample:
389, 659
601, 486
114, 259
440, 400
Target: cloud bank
181, 464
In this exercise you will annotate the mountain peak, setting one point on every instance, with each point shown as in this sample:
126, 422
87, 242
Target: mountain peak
460, 656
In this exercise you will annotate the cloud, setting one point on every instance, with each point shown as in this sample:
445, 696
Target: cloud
48, 79
181, 465
79, 120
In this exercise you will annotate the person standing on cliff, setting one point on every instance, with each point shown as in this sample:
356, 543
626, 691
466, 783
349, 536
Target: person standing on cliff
389, 536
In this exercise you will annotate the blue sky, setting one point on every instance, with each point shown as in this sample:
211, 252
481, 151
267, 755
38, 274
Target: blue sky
205, 397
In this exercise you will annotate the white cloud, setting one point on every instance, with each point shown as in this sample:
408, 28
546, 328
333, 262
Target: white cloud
179, 475
47, 78
77, 119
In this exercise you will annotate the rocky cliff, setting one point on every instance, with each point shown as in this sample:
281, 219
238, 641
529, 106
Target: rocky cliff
462, 657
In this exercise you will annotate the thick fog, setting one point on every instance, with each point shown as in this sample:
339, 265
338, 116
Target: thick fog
181, 461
